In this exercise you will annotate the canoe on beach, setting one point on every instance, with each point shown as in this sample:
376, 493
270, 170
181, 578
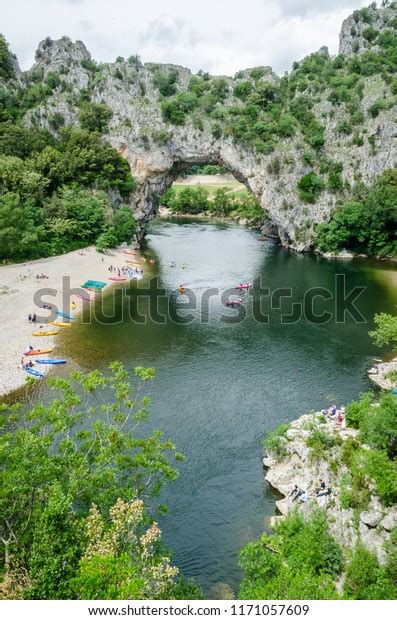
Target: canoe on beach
39, 352
65, 315
118, 278
60, 324
243, 286
90, 299
95, 285
51, 361
45, 333
34, 373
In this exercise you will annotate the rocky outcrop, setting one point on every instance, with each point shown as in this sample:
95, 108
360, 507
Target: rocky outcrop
157, 151
384, 374
299, 469
351, 38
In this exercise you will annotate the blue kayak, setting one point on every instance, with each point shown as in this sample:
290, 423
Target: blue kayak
34, 373
51, 361
65, 315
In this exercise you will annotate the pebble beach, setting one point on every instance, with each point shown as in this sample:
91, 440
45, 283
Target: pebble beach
19, 288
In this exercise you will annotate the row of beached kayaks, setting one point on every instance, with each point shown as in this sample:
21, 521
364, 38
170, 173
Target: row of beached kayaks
33, 372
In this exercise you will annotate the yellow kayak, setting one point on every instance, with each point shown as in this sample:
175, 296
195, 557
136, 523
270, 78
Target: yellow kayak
60, 324
45, 333
138, 265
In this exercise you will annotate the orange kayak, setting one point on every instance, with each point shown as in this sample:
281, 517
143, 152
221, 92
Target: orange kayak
39, 351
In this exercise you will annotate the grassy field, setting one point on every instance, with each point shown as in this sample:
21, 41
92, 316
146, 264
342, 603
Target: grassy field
233, 186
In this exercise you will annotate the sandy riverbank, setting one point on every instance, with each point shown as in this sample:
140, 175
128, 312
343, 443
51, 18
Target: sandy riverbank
18, 286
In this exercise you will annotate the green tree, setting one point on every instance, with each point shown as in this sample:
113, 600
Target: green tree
365, 579
6, 64
310, 187
95, 116
88, 446
299, 561
385, 331
18, 232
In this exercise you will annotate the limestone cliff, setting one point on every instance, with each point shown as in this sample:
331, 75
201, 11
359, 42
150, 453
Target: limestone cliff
158, 150
302, 467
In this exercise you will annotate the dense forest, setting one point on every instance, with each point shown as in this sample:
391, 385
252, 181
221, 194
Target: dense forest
59, 190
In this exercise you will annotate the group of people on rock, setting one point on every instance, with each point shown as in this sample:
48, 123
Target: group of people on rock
321, 492
335, 415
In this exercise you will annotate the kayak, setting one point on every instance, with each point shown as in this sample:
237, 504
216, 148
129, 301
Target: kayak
45, 333
117, 278
130, 252
34, 373
241, 286
60, 324
130, 262
39, 352
232, 302
85, 298
65, 315
51, 361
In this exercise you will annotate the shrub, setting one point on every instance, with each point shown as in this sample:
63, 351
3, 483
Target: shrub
257, 73
370, 33
365, 579
56, 120
275, 442
320, 442
6, 64
243, 89
95, 116
175, 109
335, 182
166, 82
300, 560
310, 187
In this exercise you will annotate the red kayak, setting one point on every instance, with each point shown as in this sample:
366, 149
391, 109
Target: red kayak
234, 302
85, 298
117, 278
242, 286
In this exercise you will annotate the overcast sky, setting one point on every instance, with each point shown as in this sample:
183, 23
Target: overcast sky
219, 36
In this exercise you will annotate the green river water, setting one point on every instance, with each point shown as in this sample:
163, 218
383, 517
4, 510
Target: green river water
222, 385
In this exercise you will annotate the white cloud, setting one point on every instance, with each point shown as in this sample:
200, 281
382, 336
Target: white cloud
303, 7
221, 37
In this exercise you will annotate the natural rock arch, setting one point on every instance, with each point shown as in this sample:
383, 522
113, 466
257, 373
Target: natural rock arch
156, 171
157, 150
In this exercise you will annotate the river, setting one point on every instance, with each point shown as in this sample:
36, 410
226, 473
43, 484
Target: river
222, 385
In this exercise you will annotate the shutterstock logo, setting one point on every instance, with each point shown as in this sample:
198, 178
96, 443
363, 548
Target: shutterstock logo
151, 302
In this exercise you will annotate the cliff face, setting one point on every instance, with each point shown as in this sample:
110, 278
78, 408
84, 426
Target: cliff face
158, 150
371, 526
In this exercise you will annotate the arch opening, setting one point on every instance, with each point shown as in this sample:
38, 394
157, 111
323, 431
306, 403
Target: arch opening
208, 186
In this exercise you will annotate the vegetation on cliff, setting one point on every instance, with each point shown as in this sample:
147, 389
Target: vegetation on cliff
302, 559
57, 192
366, 223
